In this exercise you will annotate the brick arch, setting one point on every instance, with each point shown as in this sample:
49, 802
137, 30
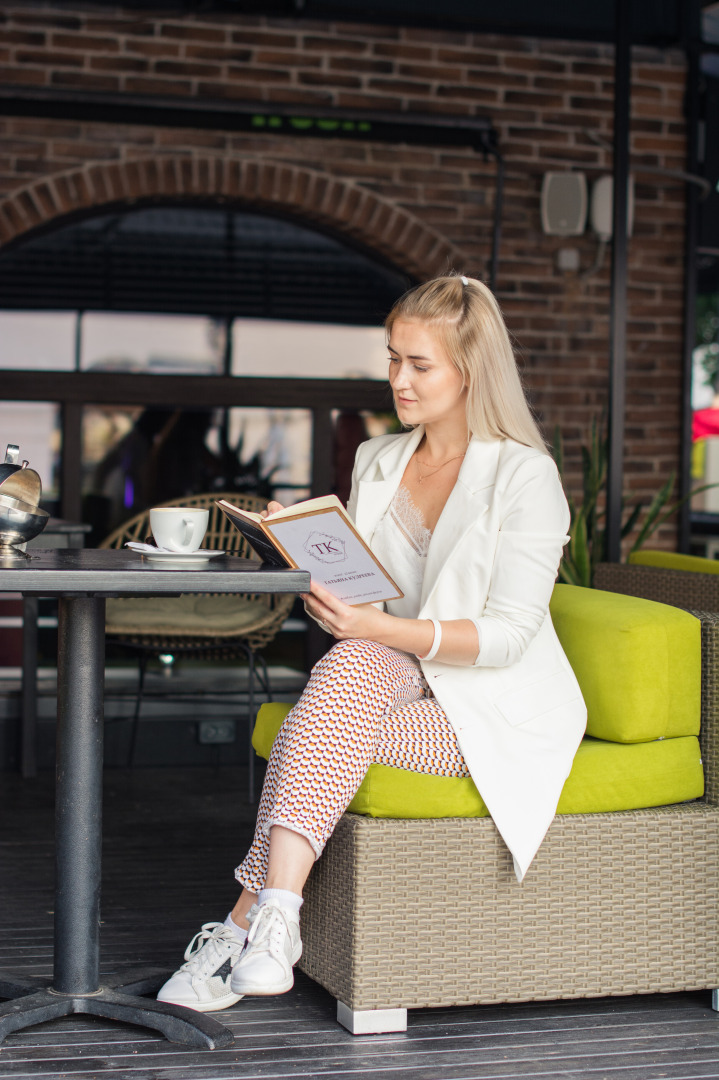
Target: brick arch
308, 194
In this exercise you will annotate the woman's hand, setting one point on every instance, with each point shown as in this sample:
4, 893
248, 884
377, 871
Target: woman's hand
342, 621
272, 508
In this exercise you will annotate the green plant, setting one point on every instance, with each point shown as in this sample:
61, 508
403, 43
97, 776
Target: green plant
587, 544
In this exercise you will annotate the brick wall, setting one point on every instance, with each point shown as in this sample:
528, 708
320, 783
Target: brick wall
550, 101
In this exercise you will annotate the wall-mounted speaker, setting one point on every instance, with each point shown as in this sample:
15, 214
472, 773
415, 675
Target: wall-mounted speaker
564, 203
601, 213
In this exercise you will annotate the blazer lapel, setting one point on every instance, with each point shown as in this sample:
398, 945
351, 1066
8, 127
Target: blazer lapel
467, 502
375, 491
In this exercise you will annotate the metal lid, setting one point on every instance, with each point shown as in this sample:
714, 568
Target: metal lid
24, 484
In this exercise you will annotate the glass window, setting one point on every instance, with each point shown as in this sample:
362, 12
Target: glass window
134, 458
273, 449
302, 350
157, 344
37, 340
34, 426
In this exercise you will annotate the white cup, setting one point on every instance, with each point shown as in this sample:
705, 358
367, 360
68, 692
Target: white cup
178, 528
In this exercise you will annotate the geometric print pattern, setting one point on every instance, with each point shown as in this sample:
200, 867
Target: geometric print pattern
364, 703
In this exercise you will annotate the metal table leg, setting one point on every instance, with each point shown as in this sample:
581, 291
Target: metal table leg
78, 821
28, 710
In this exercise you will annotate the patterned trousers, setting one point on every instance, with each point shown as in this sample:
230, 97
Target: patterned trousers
364, 703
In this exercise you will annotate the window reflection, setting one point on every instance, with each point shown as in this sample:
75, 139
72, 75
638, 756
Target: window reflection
134, 458
37, 340
155, 344
305, 350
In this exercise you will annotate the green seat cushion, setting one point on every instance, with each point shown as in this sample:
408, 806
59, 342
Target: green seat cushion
670, 560
638, 663
605, 776
202, 615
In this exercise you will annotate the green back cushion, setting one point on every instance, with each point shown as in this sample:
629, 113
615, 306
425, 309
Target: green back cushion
638, 663
670, 560
605, 776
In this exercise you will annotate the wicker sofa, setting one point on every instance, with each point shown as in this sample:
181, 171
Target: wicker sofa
404, 914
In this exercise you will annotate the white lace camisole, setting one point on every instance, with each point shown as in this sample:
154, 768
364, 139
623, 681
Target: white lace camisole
401, 542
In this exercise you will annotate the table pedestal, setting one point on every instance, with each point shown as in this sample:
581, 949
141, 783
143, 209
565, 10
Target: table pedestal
78, 823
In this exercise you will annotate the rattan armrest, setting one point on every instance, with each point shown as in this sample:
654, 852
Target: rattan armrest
709, 733
681, 588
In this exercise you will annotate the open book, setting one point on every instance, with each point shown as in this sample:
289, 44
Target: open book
317, 535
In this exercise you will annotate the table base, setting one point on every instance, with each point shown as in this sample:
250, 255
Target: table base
118, 1000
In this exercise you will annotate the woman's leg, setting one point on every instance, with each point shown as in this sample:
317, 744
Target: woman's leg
321, 754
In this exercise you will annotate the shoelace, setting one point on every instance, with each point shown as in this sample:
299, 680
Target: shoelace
207, 938
266, 924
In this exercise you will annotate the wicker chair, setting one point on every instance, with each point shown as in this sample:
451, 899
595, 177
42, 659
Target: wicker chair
250, 622
681, 588
615, 903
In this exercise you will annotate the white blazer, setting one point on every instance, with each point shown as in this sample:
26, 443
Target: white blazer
518, 711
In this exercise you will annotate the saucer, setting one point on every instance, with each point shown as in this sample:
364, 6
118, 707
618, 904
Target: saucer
180, 558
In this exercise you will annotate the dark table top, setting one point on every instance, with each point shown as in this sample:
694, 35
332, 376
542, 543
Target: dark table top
109, 572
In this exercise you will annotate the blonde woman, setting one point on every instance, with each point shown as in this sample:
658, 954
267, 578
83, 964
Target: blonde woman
464, 676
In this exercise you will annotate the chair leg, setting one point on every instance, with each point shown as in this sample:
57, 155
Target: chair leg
371, 1021
715, 1000
141, 671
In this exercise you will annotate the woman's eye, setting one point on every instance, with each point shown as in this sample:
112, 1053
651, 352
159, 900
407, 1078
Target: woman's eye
418, 368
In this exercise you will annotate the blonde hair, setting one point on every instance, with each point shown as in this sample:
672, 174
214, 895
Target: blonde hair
469, 325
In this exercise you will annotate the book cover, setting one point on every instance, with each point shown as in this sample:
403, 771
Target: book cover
318, 536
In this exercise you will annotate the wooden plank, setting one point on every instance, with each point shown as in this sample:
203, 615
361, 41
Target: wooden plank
171, 839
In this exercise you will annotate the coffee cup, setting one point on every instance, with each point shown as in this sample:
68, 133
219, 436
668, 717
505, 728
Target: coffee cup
178, 528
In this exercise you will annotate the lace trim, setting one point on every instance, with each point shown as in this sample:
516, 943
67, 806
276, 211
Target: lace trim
409, 520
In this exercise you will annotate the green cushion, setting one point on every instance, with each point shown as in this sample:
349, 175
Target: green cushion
605, 776
670, 560
638, 663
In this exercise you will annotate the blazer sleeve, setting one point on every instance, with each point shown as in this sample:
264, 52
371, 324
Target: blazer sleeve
534, 520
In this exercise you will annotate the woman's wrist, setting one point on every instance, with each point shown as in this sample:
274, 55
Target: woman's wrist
436, 641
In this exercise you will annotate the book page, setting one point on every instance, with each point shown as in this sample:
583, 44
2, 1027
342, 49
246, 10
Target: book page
325, 544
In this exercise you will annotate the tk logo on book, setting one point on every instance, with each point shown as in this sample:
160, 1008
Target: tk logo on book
325, 548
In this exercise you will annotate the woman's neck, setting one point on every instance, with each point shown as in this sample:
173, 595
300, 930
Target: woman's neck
440, 442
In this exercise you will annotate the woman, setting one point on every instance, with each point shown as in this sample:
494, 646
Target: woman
463, 676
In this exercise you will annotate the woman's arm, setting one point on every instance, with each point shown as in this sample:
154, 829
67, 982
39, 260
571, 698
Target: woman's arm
459, 645
533, 531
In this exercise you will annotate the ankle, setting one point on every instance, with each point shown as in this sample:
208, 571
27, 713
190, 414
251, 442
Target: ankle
288, 899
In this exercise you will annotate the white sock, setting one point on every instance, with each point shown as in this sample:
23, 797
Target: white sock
238, 931
288, 899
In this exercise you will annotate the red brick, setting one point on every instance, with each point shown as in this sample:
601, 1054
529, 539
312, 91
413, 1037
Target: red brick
190, 30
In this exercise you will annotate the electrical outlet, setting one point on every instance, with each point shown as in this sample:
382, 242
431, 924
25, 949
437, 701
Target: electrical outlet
216, 731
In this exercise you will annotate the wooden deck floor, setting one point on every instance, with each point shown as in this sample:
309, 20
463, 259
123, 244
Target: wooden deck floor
171, 840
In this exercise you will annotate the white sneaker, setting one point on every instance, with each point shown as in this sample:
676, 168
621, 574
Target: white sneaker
203, 982
273, 946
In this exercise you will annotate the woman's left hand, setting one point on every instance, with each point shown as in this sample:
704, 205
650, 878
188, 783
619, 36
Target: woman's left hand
340, 619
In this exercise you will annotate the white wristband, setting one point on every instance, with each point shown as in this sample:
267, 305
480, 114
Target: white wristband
436, 641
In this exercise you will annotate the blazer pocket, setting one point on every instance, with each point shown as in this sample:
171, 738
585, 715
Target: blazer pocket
540, 697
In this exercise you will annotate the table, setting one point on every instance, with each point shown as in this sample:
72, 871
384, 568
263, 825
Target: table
82, 580
58, 533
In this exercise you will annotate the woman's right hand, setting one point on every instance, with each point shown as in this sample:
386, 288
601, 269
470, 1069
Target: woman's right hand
272, 508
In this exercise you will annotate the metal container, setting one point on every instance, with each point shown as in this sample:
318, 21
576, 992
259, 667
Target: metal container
19, 522
17, 480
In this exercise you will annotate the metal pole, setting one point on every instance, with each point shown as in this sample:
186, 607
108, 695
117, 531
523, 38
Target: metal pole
692, 14
618, 316
78, 808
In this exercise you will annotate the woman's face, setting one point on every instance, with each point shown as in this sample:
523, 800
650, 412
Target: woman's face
426, 385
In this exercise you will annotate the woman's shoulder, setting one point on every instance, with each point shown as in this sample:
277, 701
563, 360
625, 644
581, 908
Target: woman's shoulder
373, 448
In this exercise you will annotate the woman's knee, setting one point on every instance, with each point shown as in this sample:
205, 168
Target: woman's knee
354, 653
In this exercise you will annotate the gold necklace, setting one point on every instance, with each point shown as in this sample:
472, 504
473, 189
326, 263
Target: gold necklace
433, 468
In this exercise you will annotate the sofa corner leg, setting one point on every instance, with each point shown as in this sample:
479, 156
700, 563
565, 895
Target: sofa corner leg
715, 1000
371, 1021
